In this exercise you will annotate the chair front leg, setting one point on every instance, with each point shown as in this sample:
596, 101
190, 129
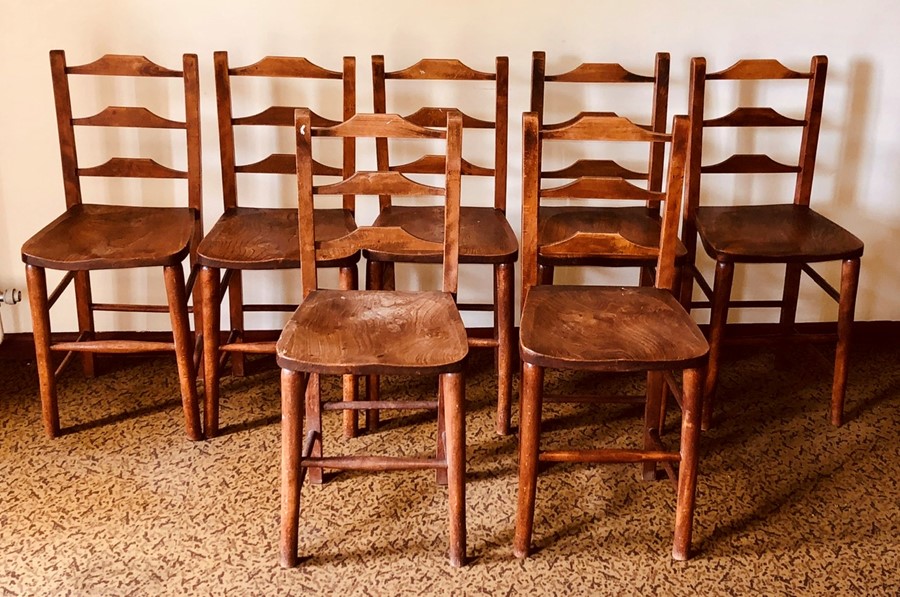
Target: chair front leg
209, 303
717, 320
530, 406
687, 471
504, 306
453, 391
293, 387
846, 310
40, 317
184, 349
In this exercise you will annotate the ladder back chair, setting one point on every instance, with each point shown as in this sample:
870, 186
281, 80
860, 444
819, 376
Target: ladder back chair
792, 234
100, 236
559, 223
365, 332
485, 234
608, 328
265, 237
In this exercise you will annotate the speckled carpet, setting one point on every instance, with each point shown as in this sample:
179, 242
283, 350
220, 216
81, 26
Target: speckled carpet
124, 504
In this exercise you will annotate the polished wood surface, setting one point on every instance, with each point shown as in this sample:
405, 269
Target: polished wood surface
597, 328
374, 332
781, 232
264, 237
89, 236
486, 236
378, 332
608, 329
560, 223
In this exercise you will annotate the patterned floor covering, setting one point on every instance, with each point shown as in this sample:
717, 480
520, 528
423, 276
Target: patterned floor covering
124, 504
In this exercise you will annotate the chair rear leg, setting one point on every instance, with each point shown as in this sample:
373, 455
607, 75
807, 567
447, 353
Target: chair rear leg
83, 304
687, 471
504, 283
349, 280
846, 310
530, 406
374, 281
314, 423
184, 349
717, 320
209, 303
656, 388
236, 319
40, 317
545, 275
789, 300
453, 390
293, 386
441, 473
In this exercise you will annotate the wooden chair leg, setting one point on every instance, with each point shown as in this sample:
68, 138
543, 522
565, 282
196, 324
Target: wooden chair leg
504, 282
349, 280
184, 349
374, 280
789, 299
83, 302
687, 470
530, 405
314, 423
236, 320
441, 473
40, 317
846, 311
293, 386
209, 302
652, 412
453, 390
717, 319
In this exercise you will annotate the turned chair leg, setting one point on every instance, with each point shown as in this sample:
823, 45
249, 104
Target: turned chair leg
846, 310
314, 423
40, 317
717, 320
504, 307
184, 349
687, 470
530, 405
293, 386
209, 301
453, 391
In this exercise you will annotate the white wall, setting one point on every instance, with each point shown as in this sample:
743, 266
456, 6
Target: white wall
858, 172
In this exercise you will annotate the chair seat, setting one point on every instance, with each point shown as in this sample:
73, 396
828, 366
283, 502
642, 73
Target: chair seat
773, 234
266, 238
372, 332
633, 223
485, 235
91, 236
601, 328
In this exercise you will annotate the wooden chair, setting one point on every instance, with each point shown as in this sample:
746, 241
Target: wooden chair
485, 234
791, 234
264, 238
363, 332
90, 236
604, 328
560, 222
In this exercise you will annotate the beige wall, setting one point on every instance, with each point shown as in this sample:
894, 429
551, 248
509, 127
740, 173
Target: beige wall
858, 173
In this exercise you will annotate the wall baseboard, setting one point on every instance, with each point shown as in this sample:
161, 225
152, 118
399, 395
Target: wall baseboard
20, 346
